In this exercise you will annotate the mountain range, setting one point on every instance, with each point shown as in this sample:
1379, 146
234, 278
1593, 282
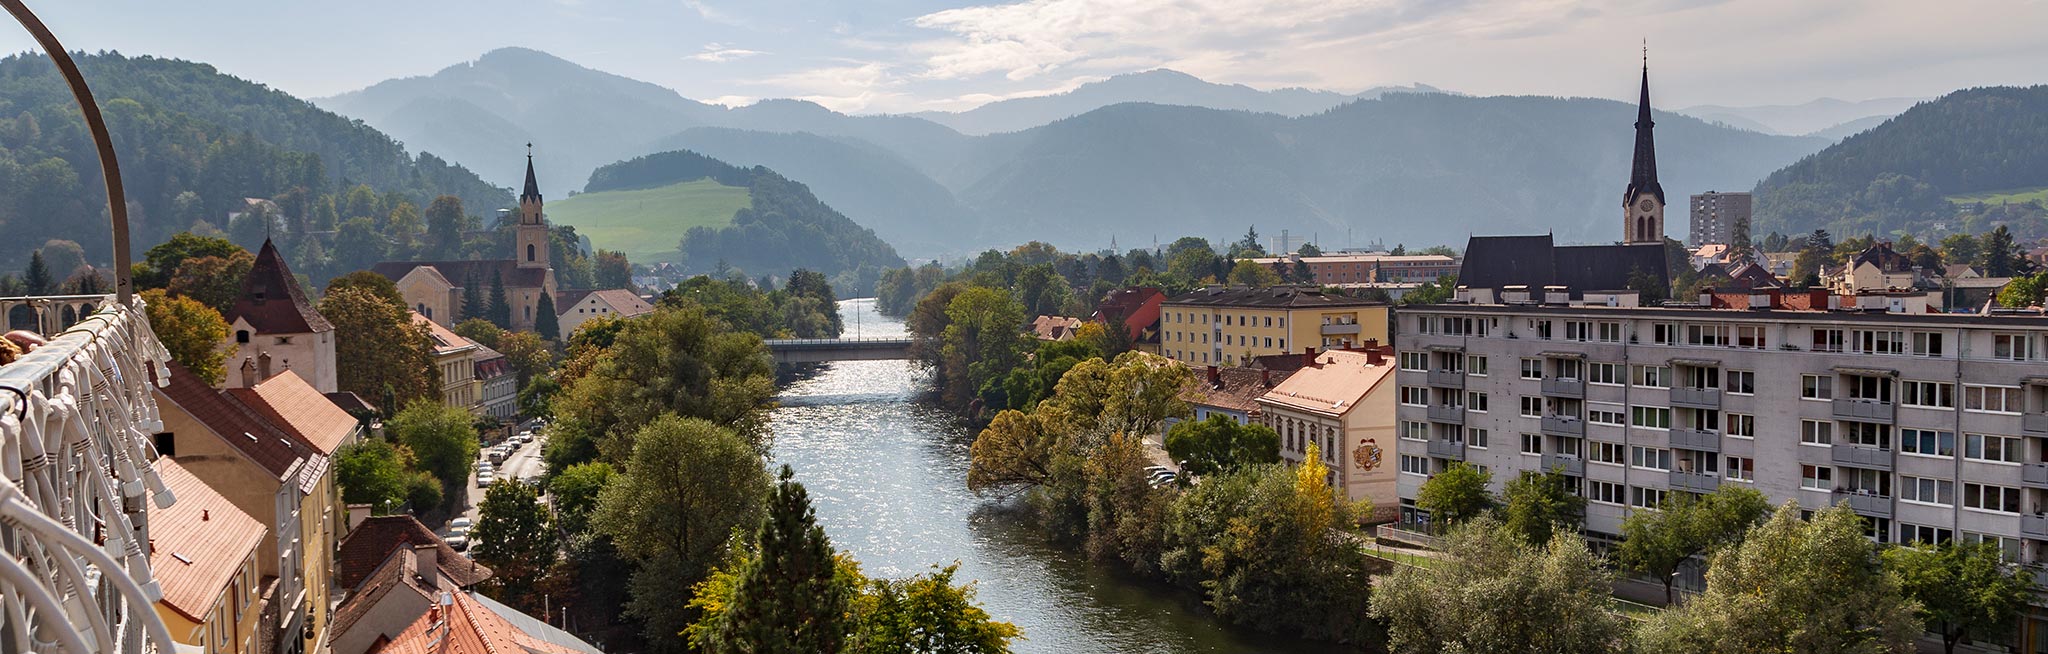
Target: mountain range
1394, 165
1825, 117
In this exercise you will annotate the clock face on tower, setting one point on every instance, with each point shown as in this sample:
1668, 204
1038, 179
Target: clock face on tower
1645, 204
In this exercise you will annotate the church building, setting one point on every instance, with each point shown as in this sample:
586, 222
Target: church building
435, 288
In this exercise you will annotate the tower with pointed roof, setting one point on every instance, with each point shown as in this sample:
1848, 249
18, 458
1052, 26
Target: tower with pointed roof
1643, 205
532, 246
273, 324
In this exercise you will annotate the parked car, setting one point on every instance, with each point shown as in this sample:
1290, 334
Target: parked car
459, 525
497, 455
458, 541
484, 479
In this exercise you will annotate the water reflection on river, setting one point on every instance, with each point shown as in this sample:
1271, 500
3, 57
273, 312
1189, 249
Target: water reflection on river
888, 475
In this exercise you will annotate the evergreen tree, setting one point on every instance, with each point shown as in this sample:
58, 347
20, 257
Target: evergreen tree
38, 275
545, 322
2001, 258
788, 599
500, 311
473, 298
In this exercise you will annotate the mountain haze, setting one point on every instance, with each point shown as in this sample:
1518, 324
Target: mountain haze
1158, 86
1825, 114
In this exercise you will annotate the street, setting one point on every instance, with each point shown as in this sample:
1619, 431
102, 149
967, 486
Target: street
525, 462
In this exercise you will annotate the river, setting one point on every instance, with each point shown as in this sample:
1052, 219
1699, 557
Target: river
888, 475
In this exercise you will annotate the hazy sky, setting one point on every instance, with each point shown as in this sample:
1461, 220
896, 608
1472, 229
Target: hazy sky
908, 55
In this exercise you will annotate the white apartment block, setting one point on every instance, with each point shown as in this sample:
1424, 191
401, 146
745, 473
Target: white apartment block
1931, 426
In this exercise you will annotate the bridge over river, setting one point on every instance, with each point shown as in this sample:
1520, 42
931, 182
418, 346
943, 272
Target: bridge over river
819, 350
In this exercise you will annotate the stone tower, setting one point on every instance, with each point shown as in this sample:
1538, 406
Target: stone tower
1643, 205
532, 248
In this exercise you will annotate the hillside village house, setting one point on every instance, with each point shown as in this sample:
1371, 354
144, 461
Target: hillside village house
1227, 325
203, 551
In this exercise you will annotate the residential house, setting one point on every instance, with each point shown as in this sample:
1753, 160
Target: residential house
456, 357
1230, 392
1230, 325
469, 623
1055, 328
272, 317
573, 308
204, 551
387, 595
1344, 405
1137, 308
497, 385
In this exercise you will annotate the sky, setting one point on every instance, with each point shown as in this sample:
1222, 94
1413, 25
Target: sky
877, 56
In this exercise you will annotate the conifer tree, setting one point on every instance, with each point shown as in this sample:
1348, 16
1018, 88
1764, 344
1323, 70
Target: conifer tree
472, 298
788, 598
500, 311
38, 275
544, 320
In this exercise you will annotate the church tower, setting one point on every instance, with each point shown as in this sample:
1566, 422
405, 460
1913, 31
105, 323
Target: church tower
1643, 205
532, 248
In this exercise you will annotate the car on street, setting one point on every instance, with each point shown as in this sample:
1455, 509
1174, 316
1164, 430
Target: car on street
460, 525
458, 541
484, 479
497, 455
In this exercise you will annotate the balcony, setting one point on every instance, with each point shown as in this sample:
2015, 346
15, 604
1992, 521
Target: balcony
1863, 410
1695, 482
1565, 463
1566, 426
2034, 526
1451, 414
1877, 506
1447, 378
1443, 449
1564, 387
1696, 439
1863, 457
1696, 398
2034, 424
2034, 475
1340, 329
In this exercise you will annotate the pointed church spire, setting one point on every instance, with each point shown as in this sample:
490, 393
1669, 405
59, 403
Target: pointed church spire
1643, 178
532, 187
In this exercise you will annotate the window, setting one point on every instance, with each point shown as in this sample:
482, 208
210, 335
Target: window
1664, 334
1415, 361
2012, 347
1927, 344
1532, 407
1541, 327
1654, 458
1827, 340
1578, 330
1475, 401
284, 340
241, 336
1879, 341
1414, 396
1997, 449
1475, 437
1645, 498
2009, 546
1991, 399
1606, 417
1816, 387
1741, 468
1609, 332
1706, 335
1608, 453
1938, 395
1601, 492
1816, 477
1414, 431
1750, 337
1606, 374
1986, 497
1867, 434
1414, 465
1927, 442
1532, 368
1653, 376
167, 444
1653, 417
1532, 443
1927, 490
1924, 534
1816, 432
1475, 365
1741, 382
1741, 425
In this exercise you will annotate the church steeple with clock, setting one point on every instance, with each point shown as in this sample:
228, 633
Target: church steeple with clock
1643, 205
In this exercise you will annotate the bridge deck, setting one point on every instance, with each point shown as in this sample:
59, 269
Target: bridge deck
817, 350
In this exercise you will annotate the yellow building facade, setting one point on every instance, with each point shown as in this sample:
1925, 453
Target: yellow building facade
204, 555
1227, 326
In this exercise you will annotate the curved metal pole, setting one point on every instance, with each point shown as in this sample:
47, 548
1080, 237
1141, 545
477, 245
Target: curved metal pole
117, 201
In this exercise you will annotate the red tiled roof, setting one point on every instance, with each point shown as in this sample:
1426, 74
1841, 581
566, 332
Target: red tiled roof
369, 543
467, 627
243, 429
299, 409
1234, 389
446, 341
1334, 386
398, 572
271, 299
197, 545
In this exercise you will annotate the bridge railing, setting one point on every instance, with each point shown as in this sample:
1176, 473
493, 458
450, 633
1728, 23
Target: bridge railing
821, 343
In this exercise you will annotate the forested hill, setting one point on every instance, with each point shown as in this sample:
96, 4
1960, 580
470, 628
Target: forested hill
1900, 175
193, 142
786, 228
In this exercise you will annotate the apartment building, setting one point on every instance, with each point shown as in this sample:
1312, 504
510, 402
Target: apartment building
1931, 426
1717, 217
1228, 325
1363, 268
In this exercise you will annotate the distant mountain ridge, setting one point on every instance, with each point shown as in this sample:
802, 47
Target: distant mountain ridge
1157, 86
1815, 117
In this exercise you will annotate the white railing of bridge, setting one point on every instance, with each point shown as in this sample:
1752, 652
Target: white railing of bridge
839, 342
76, 424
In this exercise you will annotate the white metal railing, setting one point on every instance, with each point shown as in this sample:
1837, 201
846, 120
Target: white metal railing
76, 419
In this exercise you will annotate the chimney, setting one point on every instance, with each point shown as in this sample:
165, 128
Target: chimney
1215, 377
1373, 356
1372, 343
1308, 356
262, 366
1266, 376
248, 372
357, 513
426, 562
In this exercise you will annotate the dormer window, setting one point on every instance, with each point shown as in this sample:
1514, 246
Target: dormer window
241, 336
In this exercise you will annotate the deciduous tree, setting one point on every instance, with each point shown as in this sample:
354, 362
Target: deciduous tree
1963, 589
378, 349
514, 537
1657, 543
373, 472
193, 332
1456, 494
1494, 592
1539, 505
1220, 445
213, 280
442, 439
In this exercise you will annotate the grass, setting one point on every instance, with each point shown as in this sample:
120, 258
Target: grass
646, 224
2015, 196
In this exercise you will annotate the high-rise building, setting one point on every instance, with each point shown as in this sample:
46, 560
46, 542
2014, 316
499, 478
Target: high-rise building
1717, 217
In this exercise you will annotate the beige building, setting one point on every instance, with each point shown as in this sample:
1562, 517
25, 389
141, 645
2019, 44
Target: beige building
456, 357
1230, 325
435, 288
272, 317
203, 551
578, 307
1344, 405
394, 568
1365, 268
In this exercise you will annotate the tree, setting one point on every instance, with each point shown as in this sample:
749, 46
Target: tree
514, 538
215, 281
1540, 505
379, 349
194, 333
1309, 250
1494, 592
789, 597
1220, 445
442, 439
376, 284
1456, 494
474, 307
1248, 246
575, 492
983, 341
154, 271
481, 331
64, 257
1435, 292
500, 309
373, 472
689, 484
529, 355
1963, 589
676, 360
1014, 453
925, 614
1657, 543
1793, 585
1042, 290
446, 221
37, 277
1959, 248
1249, 273
613, 271
2001, 256
545, 322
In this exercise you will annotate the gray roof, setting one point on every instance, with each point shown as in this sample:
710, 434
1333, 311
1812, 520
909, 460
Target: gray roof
1535, 261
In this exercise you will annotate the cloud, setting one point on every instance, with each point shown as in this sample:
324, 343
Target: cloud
715, 53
